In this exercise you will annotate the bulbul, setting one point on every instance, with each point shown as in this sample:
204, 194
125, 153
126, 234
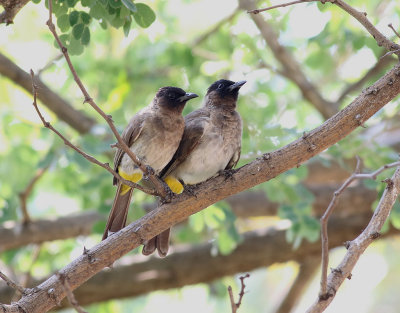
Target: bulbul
153, 134
211, 142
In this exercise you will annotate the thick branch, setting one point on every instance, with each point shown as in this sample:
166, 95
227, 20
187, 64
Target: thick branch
53, 101
207, 193
11, 8
192, 265
14, 235
290, 67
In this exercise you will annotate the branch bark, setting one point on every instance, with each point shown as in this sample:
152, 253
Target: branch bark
290, 67
14, 235
357, 247
11, 8
203, 195
64, 111
187, 265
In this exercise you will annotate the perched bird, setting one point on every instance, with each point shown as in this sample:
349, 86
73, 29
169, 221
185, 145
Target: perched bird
211, 143
153, 134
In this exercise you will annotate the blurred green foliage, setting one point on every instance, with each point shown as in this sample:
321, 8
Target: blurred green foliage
122, 71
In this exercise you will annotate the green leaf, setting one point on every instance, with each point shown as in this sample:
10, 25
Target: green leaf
87, 3
129, 5
77, 30
144, 16
98, 12
85, 17
65, 38
103, 24
85, 39
71, 3
114, 3
73, 18
127, 27
36, 1
63, 22
117, 22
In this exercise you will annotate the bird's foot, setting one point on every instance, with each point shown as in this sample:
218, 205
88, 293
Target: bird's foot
190, 189
227, 173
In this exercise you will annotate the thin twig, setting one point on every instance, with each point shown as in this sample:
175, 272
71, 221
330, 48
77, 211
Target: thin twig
147, 172
256, 11
11, 283
324, 219
391, 26
235, 306
356, 247
69, 293
49, 64
23, 196
359, 16
84, 154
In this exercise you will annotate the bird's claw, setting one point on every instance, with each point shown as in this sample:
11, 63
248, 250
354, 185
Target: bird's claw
227, 173
190, 189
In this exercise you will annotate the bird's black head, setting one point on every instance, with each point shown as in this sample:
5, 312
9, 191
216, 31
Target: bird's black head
173, 98
226, 88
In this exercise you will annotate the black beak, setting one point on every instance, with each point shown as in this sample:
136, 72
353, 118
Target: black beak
187, 97
237, 85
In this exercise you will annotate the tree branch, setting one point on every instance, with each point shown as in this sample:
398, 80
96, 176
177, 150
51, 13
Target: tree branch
307, 270
51, 100
14, 235
11, 8
290, 67
359, 16
138, 275
357, 247
215, 189
88, 157
158, 184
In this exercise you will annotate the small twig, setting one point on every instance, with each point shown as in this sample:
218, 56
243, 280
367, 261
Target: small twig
390, 53
11, 283
71, 298
356, 247
88, 157
391, 26
49, 64
158, 184
23, 196
359, 16
235, 306
256, 11
324, 219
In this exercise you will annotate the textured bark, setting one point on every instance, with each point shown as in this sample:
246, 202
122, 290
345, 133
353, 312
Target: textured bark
290, 67
11, 8
14, 235
181, 207
192, 265
51, 100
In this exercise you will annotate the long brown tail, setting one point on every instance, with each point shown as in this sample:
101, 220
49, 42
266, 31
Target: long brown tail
119, 212
159, 242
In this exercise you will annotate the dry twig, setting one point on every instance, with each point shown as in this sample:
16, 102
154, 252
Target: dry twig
357, 247
235, 306
70, 294
12, 283
88, 157
147, 171
23, 196
324, 219
359, 16
396, 33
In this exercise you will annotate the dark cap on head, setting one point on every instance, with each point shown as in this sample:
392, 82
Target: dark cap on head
226, 88
173, 97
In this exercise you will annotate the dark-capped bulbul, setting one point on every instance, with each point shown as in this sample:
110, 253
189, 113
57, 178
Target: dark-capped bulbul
153, 134
211, 143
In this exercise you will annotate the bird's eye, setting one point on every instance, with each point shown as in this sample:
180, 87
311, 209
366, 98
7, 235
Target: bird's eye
171, 96
220, 86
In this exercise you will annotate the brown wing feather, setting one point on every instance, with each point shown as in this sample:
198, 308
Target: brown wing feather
192, 135
234, 160
129, 135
